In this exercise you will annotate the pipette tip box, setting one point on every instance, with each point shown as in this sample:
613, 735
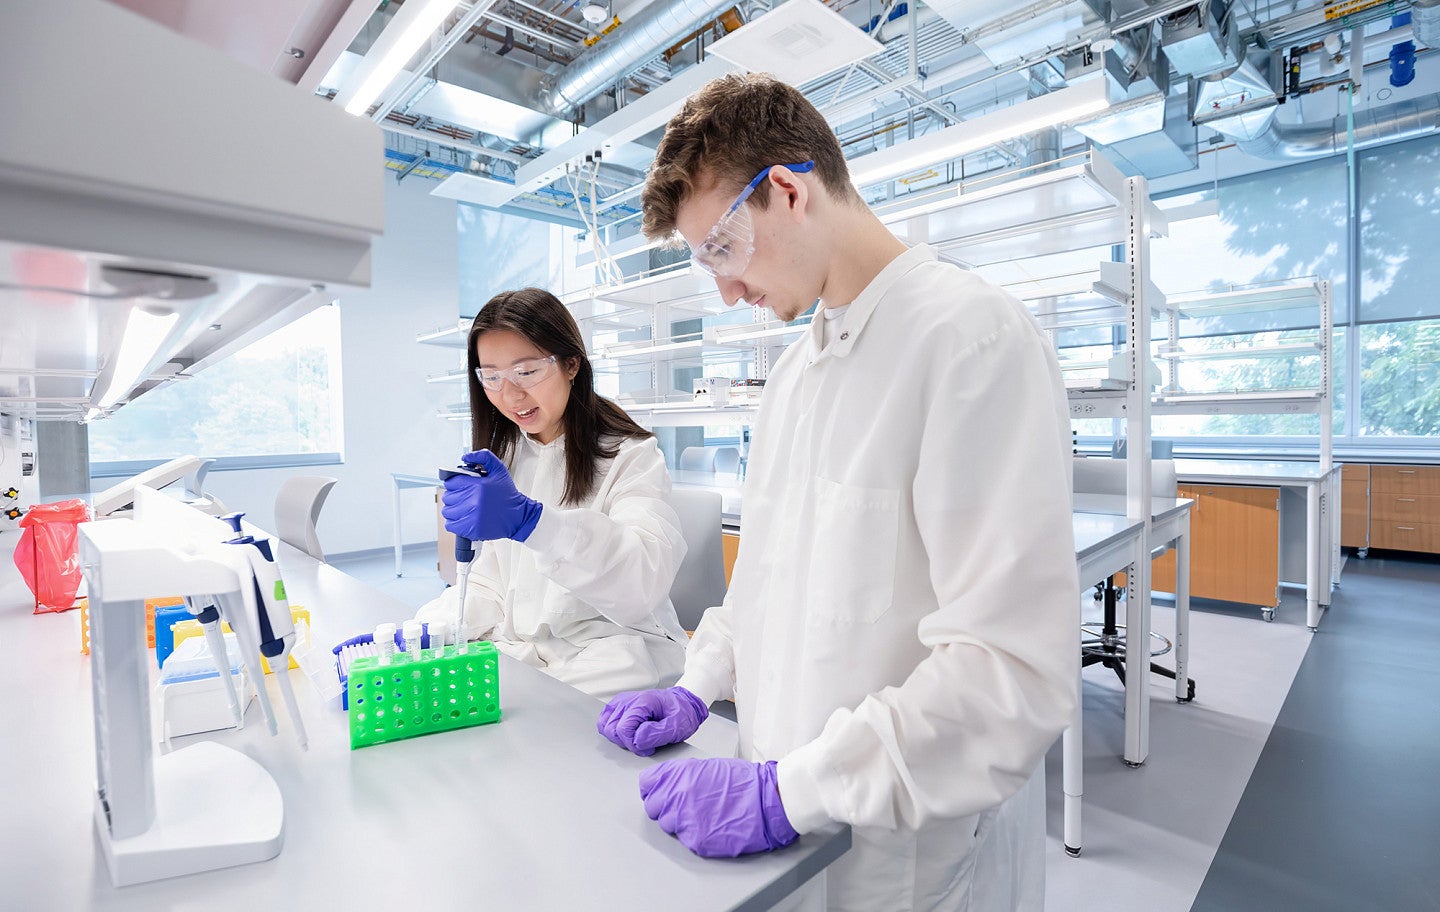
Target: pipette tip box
405, 696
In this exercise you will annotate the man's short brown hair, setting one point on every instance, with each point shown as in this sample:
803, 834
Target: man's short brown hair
730, 131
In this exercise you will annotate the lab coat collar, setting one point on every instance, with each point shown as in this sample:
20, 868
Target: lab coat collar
853, 323
538, 448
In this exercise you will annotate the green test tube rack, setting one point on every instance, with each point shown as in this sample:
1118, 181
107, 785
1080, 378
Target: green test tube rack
441, 690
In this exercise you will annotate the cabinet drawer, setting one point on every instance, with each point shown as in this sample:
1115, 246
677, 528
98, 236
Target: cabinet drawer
1386, 479
1358, 472
1406, 536
1405, 508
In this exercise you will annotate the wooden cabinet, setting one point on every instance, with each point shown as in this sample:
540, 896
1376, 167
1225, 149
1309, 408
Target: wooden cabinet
730, 546
1405, 507
1355, 506
1234, 545
1405, 479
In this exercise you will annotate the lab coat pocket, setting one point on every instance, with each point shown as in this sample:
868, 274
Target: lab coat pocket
852, 573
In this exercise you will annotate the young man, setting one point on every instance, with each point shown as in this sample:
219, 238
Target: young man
899, 636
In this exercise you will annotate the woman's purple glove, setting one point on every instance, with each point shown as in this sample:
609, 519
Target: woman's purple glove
642, 720
484, 509
720, 807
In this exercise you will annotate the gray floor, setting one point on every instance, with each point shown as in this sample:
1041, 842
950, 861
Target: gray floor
1343, 809
1331, 782
1150, 833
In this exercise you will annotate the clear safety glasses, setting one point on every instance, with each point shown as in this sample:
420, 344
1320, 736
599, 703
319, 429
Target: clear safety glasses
524, 374
727, 249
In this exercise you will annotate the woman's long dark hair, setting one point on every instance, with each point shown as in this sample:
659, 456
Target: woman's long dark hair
539, 316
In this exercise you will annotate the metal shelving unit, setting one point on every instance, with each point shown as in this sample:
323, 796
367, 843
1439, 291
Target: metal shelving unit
1047, 234
1311, 296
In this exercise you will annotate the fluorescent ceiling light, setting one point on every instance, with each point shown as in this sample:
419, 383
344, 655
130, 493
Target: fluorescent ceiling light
396, 45
796, 42
1022, 119
144, 333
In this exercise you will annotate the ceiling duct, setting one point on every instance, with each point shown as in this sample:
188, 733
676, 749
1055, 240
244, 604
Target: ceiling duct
1425, 14
1171, 150
1142, 84
1373, 127
1239, 103
641, 39
1202, 39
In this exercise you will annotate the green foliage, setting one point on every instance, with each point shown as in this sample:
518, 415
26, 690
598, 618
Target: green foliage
1297, 218
274, 398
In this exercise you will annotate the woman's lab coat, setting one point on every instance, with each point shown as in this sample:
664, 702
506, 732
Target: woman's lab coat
900, 629
587, 596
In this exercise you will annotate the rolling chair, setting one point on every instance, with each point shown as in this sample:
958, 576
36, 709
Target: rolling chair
697, 459
297, 507
727, 460
1105, 643
700, 580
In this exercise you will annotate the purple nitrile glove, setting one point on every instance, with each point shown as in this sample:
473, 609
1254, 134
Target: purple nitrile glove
718, 807
642, 720
484, 509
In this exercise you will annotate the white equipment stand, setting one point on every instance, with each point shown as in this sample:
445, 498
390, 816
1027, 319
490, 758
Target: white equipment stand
196, 809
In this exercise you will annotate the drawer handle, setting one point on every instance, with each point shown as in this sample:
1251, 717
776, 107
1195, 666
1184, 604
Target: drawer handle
1406, 471
1404, 528
1405, 499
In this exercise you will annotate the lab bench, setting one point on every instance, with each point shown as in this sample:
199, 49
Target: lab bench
1257, 525
537, 811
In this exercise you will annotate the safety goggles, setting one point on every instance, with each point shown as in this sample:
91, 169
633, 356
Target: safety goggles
524, 374
727, 249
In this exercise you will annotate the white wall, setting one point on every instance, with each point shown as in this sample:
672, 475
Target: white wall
390, 423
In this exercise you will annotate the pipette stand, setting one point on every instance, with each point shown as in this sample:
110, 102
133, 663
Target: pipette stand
202, 807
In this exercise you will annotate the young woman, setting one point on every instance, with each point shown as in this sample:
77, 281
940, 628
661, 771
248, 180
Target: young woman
579, 546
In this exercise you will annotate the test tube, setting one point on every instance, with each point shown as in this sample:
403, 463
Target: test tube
413, 630
439, 633
385, 642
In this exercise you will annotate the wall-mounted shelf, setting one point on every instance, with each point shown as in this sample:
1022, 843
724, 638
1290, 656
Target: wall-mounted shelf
448, 336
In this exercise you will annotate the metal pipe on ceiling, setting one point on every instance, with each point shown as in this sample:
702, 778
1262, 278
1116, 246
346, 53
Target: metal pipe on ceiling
642, 38
517, 25
1373, 127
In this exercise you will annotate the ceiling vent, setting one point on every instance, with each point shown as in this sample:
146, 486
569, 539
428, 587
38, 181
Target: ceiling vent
796, 42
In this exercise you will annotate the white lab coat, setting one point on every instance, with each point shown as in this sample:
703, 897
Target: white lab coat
587, 596
900, 629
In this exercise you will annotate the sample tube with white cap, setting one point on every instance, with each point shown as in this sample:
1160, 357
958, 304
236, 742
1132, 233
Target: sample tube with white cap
385, 642
439, 633
413, 630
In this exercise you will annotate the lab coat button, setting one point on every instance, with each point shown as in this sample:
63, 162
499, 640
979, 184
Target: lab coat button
844, 336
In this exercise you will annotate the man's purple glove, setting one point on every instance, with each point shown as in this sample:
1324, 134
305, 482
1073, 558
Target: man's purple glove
484, 509
719, 807
642, 720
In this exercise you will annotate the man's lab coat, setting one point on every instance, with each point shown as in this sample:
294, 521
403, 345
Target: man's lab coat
900, 629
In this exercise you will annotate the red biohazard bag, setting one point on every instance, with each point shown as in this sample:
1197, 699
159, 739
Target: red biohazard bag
48, 553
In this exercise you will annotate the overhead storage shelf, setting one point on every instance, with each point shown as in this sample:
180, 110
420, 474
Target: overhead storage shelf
995, 220
1256, 299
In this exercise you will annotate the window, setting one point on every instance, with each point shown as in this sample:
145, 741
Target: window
1400, 379
1399, 226
276, 402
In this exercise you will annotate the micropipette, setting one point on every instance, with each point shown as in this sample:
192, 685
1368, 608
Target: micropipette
208, 614
464, 554
276, 627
